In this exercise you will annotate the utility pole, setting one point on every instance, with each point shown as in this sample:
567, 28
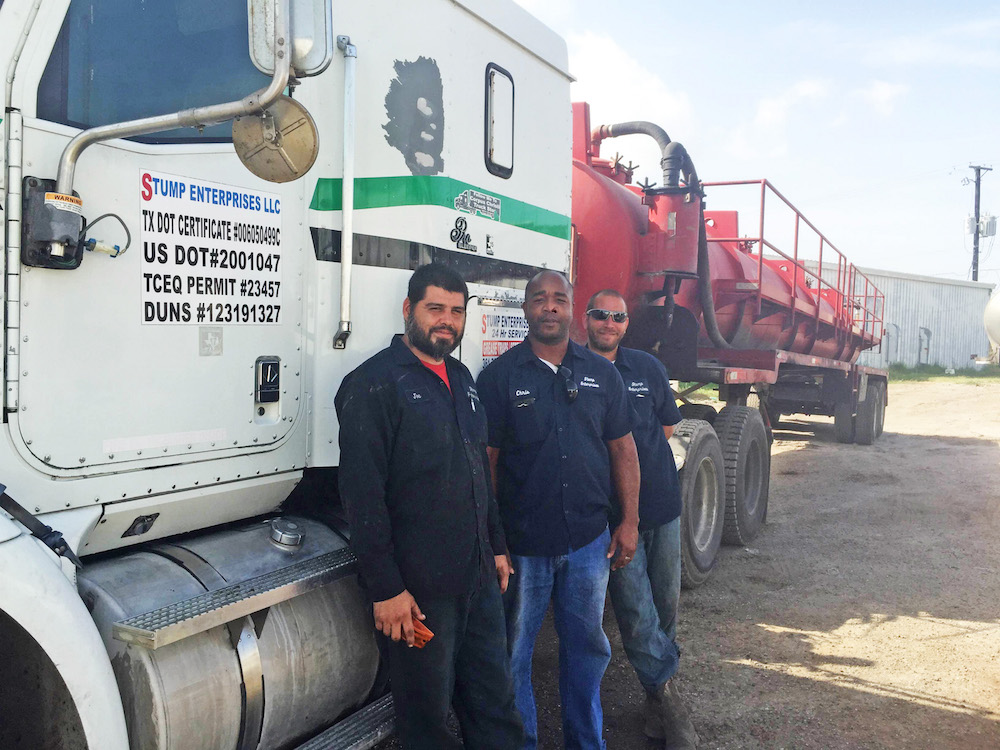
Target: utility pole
975, 231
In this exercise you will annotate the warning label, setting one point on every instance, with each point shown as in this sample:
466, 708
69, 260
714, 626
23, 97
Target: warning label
502, 331
210, 253
64, 202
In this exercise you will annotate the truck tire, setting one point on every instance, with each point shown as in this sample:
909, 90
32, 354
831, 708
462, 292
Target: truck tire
704, 412
866, 423
880, 423
703, 508
747, 455
843, 422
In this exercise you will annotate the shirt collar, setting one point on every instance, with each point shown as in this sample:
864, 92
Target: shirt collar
623, 358
525, 354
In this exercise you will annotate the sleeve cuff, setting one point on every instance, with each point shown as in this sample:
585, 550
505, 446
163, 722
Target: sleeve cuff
382, 581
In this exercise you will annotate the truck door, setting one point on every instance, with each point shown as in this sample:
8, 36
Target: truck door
187, 345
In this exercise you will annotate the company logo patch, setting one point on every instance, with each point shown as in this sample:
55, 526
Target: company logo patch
638, 387
589, 382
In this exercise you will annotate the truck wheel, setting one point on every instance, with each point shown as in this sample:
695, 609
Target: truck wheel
702, 495
880, 424
747, 456
843, 422
866, 423
704, 412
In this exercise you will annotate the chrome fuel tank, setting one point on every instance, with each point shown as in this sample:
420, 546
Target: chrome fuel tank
265, 680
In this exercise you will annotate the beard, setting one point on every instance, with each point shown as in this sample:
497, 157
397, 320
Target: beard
424, 342
603, 345
560, 335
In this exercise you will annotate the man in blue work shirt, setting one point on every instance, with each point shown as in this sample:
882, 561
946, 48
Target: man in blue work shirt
646, 593
425, 526
559, 430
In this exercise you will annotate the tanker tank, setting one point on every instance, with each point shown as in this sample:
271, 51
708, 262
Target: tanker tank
687, 273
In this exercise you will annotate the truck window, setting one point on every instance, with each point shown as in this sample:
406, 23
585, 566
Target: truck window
118, 60
499, 121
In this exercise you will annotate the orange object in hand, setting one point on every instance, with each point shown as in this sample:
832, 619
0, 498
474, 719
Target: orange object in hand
421, 634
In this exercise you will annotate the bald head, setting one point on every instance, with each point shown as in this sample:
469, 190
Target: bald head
541, 277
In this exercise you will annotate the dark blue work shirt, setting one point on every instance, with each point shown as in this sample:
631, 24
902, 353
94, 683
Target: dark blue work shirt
648, 385
414, 477
553, 472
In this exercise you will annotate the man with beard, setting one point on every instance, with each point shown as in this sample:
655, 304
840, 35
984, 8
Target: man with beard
646, 593
559, 429
425, 527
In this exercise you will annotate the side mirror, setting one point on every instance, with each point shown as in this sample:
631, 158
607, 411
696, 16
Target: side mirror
312, 40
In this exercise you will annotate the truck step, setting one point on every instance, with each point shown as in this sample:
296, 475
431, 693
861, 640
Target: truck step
182, 619
359, 731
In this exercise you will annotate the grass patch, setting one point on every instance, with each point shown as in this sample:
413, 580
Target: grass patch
923, 373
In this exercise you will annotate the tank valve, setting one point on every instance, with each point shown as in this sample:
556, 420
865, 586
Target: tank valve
286, 533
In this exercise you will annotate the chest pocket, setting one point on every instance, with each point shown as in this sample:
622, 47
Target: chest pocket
478, 419
531, 419
424, 428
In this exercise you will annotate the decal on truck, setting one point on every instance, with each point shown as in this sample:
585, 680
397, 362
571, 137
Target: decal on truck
211, 254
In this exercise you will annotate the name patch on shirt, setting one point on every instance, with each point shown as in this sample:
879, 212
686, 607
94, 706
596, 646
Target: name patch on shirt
415, 397
588, 382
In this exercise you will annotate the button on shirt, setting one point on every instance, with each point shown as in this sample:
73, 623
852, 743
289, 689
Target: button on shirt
648, 385
553, 472
414, 477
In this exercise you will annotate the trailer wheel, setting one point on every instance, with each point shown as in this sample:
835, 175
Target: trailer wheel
747, 455
705, 412
883, 393
702, 495
866, 424
843, 422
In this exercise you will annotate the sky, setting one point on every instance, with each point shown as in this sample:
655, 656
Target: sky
865, 115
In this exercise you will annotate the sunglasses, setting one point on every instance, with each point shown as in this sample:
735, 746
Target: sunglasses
572, 389
598, 314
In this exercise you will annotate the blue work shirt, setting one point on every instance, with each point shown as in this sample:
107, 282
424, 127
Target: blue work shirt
648, 385
553, 472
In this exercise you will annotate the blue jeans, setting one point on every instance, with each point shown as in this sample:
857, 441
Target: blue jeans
576, 584
644, 595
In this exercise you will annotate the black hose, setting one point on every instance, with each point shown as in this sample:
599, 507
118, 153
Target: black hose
705, 289
675, 160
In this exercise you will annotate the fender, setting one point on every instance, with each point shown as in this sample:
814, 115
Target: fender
42, 600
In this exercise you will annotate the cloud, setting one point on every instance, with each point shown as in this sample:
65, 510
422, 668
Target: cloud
968, 44
774, 111
766, 135
883, 95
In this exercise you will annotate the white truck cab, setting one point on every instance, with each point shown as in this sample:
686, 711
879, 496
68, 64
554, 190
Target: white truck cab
210, 214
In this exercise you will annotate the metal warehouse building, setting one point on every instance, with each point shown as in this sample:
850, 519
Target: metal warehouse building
928, 320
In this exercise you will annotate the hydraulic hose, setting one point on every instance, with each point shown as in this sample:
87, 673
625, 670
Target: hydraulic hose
674, 162
705, 289
674, 158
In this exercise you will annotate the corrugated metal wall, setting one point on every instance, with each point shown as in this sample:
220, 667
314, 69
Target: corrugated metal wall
927, 320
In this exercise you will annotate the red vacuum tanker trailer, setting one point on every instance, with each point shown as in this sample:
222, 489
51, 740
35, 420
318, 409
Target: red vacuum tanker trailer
718, 306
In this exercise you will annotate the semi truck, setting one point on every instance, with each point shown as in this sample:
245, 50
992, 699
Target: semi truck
210, 215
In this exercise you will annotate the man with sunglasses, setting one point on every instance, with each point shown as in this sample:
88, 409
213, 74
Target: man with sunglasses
559, 430
646, 593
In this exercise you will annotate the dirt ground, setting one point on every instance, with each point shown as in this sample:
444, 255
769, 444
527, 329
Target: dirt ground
867, 612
